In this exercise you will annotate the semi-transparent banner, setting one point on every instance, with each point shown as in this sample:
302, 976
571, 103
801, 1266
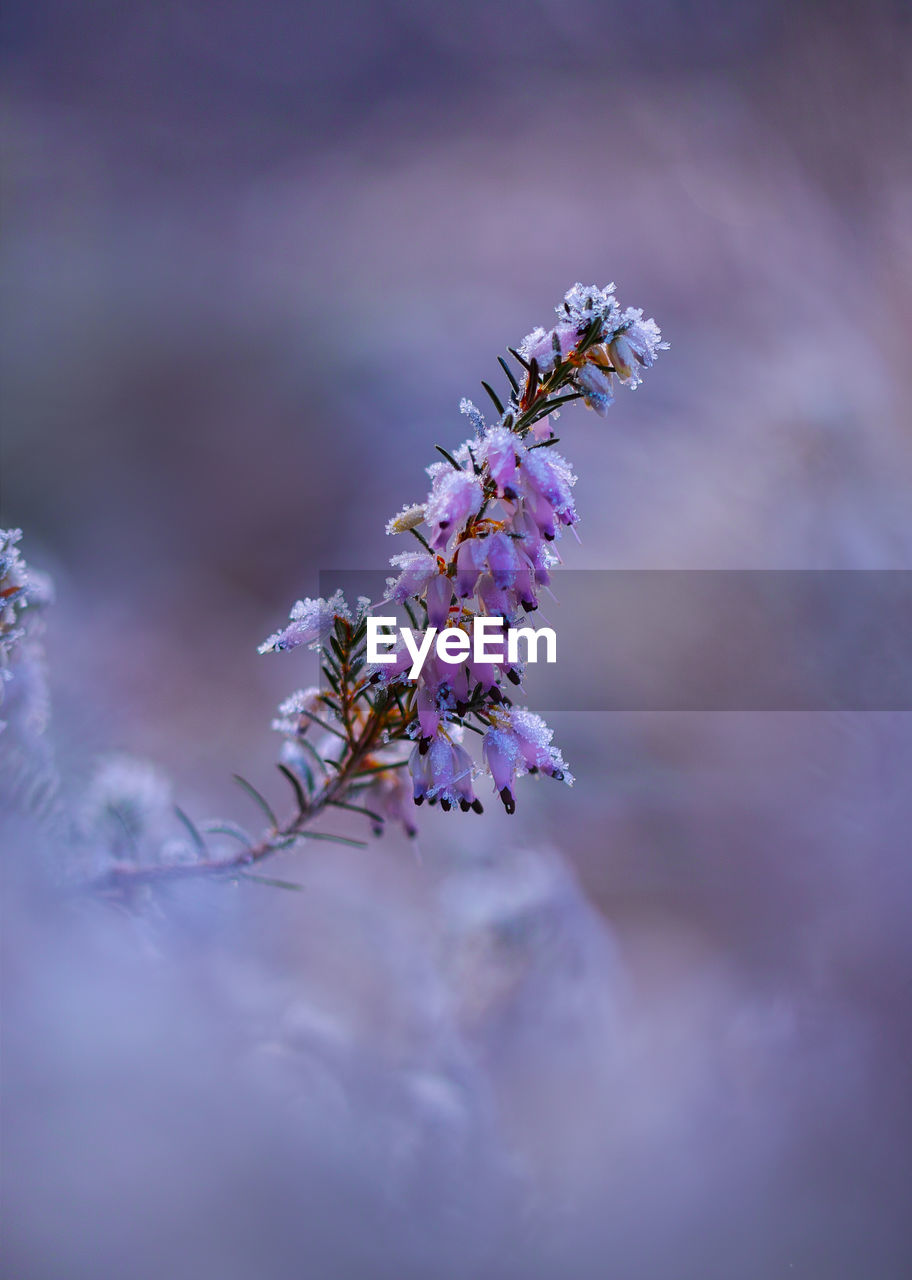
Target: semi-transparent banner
707, 640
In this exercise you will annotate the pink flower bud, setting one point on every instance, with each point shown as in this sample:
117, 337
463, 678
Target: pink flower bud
456, 495
470, 560
418, 568
502, 558
437, 598
498, 450
495, 600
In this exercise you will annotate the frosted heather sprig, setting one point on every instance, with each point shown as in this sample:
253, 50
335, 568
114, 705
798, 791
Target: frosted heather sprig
486, 532
498, 504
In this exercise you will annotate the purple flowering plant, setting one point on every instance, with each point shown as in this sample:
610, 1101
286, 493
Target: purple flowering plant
376, 738
486, 536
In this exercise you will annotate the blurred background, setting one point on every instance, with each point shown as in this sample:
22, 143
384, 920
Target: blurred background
252, 257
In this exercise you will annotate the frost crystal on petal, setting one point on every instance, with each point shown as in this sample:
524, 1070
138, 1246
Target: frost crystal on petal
456, 495
548, 477
534, 745
416, 570
408, 518
536, 346
310, 623
498, 449
636, 342
545, 345
584, 302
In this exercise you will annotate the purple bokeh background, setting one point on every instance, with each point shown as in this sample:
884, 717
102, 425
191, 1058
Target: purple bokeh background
253, 256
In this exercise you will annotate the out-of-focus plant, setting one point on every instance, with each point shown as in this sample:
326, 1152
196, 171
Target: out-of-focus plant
377, 739
28, 779
23, 592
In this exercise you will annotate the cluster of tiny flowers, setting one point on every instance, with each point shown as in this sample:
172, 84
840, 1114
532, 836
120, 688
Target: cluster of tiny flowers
624, 344
487, 534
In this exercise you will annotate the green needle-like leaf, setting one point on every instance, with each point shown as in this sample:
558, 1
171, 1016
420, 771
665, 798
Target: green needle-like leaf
295, 782
270, 880
494, 397
513, 352
258, 800
509, 372
358, 808
422, 539
449, 457
192, 829
229, 829
322, 723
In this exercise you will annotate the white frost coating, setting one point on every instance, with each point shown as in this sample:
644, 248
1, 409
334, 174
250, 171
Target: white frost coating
295, 711
582, 302
545, 345
474, 415
461, 454
455, 496
310, 622
408, 518
499, 449
416, 570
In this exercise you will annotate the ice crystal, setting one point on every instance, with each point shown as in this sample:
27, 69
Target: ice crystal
408, 518
456, 495
310, 623
474, 415
583, 303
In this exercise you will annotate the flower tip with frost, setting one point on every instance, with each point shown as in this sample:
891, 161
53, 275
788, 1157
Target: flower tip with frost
408, 518
310, 621
456, 495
